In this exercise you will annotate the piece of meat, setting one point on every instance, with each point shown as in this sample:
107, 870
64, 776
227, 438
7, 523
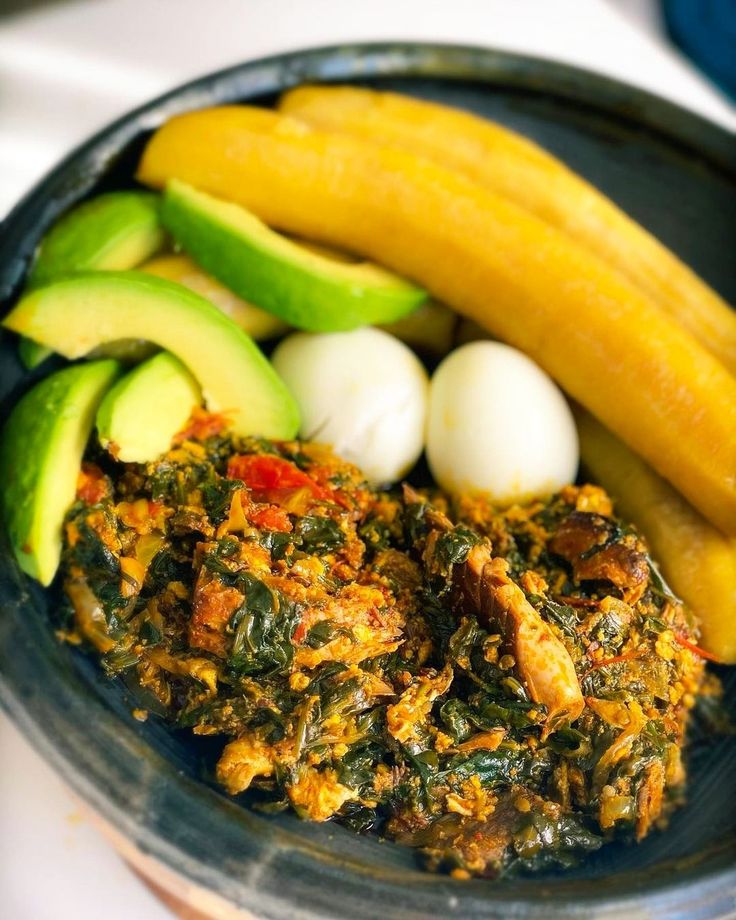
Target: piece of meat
481, 846
621, 565
212, 608
541, 659
484, 587
579, 533
585, 540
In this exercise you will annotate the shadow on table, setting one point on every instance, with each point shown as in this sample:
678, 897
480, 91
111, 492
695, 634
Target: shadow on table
9, 7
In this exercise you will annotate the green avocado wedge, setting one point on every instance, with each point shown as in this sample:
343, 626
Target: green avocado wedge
140, 415
82, 312
40, 458
304, 288
32, 354
112, 232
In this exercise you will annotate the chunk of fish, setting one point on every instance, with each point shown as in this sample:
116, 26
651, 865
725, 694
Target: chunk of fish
485, 588
542, 662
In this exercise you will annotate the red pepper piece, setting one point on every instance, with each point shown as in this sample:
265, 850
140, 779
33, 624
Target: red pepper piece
91, 484
695, 649
271, 518
268, 476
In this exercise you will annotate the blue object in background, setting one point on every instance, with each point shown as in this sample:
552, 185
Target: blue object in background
706, 31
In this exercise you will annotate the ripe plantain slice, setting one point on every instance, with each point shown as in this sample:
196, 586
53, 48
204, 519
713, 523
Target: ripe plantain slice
513, 166
527, 283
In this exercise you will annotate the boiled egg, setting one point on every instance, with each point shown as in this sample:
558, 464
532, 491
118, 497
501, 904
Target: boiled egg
498, 425
364, 392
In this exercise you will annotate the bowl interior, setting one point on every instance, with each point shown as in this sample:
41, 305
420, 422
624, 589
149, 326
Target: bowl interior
672, 173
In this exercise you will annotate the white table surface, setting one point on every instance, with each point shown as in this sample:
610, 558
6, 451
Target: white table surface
68, 68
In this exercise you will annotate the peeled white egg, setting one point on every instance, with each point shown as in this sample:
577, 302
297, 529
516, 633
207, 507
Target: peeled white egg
364, 392
498, 425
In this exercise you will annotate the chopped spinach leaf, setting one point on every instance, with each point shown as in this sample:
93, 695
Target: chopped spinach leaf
319, 535
263, 626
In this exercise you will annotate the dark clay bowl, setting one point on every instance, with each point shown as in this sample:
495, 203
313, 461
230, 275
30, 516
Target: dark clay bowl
671, 170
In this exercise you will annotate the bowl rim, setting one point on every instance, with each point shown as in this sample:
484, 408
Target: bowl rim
335, 63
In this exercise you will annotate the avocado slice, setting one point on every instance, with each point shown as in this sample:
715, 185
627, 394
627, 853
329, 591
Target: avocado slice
32, 354
114, 231
82, 312
140, 415
40, 457
302, 287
